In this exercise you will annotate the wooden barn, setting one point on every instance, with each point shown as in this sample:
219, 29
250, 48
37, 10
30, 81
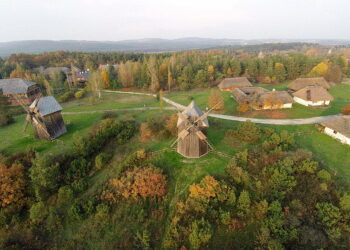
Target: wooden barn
304, 82
45, 115
20, 91
229, 84
192, 125
77, 78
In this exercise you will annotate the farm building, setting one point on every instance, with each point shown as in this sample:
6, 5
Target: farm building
45, 116
313, 96
304, 82
20, 90
259, 98
229, 84
192, 124
338, 128
77, 78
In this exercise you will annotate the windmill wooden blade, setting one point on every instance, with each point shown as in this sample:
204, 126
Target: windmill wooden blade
182, 135
201, 135
28, 119
182, 116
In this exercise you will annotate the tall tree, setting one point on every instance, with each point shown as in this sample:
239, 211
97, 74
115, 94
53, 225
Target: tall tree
153, 73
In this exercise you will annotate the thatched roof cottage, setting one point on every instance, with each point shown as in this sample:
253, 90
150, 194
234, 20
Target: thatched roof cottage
259, 98
304, 82
338, 128
229, 84
313, 96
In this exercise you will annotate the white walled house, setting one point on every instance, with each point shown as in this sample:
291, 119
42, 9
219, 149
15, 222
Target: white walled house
338, 128
313, 96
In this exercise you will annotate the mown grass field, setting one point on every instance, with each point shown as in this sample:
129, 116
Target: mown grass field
332, 154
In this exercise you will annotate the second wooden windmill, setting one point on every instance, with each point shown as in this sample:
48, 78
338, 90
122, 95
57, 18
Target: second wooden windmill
192, 124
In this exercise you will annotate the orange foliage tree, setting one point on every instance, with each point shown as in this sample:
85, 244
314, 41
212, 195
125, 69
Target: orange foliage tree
346, 110
171, 124
147, 182
12, 184
216, 100
105, 80
145, 133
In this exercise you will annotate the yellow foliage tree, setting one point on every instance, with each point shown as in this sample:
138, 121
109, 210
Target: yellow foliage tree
211, 72
319, 70
229, 71
216, 100
105, 80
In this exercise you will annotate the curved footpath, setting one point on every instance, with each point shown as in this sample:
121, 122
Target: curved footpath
178, 106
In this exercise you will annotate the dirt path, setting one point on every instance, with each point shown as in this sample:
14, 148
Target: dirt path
178, 106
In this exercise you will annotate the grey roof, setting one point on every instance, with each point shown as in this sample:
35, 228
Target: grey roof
15, 86
194, 111
54, 70
46, 105
339, 124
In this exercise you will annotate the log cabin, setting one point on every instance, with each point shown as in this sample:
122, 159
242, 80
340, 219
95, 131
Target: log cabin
20, 90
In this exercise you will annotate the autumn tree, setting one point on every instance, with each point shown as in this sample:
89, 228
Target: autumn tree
153, 73
216, 100
95, 83
105, 79
146, 182
171, 124
211, 71
12, 183
319, 70
280, 72
334, 74
5, 117
145, 133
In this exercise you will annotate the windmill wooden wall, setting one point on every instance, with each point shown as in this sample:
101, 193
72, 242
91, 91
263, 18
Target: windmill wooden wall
191, 146
52, 126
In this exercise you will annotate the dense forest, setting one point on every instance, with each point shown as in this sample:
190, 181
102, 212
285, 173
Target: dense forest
189, 69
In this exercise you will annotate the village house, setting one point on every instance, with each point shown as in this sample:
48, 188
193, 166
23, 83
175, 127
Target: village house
304, 82
259, 98
77, 78
338, 128
229, 84
20, 91
313, 96
45, 116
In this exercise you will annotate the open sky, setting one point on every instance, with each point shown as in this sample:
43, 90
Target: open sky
132, 19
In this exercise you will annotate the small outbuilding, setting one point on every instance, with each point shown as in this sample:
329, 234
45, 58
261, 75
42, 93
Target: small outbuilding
20, 91
338, 128
229, 84
304, 82
313, 96
45, 115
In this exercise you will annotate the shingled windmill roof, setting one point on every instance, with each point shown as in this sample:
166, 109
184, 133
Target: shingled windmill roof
15, 86
339, 124
46, 105
194, 111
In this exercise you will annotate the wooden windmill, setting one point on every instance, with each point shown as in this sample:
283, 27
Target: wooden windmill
192, 124
45, 116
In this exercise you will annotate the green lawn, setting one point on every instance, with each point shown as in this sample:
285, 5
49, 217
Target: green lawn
111, 101
332, 154
341, 94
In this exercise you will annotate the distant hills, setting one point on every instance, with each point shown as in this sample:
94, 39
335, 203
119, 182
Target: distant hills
141, 45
